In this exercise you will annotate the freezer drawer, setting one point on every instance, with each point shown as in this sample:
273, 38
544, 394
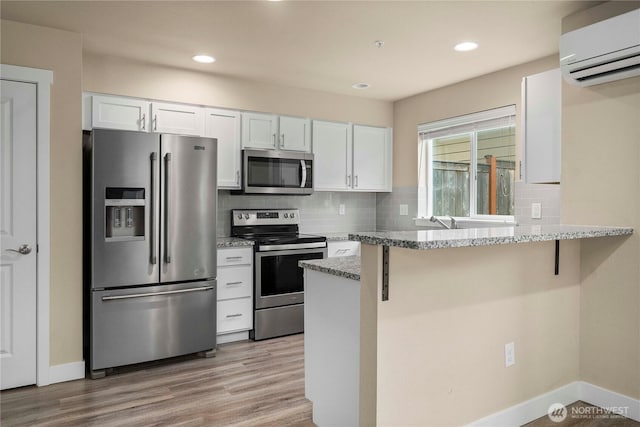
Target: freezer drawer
140, 324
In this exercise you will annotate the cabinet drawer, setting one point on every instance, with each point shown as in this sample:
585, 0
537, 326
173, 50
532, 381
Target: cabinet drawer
235, 282
235, 315
235, 256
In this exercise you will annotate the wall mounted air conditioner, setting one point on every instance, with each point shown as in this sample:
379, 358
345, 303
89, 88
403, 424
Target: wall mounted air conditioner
602, 52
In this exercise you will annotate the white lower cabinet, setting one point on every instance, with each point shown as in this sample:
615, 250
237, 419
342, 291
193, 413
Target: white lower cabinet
235, 293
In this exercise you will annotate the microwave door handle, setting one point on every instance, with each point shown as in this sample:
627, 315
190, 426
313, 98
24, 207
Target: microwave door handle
303, 170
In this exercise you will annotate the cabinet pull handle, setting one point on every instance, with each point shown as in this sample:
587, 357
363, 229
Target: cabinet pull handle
237, 177
230, 258
356, 180
274, 140
348, 180
282, 141
233, 315
155, 122
233, 283
143, 121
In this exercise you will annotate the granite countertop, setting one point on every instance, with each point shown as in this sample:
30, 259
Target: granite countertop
337, 236
436, 239
233, 242
345, 266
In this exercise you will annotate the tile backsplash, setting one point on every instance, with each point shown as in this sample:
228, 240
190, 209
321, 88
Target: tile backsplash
319, 212
548, 195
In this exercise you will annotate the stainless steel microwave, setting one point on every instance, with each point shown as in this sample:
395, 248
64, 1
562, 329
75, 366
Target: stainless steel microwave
277, 172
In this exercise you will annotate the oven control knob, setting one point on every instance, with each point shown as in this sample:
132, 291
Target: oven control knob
246, 216
291, 215
286, 215
239, 216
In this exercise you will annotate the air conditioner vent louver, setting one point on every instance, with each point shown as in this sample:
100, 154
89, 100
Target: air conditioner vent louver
605, 51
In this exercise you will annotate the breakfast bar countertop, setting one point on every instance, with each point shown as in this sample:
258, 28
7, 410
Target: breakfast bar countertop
346, 266
456, 238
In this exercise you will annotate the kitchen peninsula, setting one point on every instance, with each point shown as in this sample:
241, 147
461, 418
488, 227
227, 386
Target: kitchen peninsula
429, 353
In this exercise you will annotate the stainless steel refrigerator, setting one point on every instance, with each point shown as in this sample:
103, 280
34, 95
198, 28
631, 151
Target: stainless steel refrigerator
150, 247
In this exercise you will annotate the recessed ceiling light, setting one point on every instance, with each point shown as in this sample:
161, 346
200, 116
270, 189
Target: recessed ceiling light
360, 86
465, 46
378, 43
204, 59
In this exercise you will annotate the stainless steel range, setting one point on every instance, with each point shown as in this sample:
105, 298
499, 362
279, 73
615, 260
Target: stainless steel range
278, 281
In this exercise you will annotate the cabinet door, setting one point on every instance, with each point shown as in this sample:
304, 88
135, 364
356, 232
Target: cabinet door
542, 106
224, 125
332, 149
177, 118
295, 134
112, 112
259, 130
371, 158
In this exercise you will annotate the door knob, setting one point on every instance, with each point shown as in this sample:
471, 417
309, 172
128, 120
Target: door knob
23, 249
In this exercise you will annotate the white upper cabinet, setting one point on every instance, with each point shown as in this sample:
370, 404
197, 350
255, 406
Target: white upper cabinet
332, 150
259, 131
177, 118
225, 126
372, 158
295, 134
112, 112
351, 158
541, 134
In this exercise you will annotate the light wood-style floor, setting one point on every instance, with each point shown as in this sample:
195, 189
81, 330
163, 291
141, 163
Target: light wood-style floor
246, 384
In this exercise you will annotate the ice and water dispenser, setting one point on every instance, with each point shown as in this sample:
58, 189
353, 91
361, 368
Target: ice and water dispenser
124, 214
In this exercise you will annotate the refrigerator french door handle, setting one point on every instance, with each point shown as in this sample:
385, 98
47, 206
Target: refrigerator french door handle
167, 203
154, 294
153, 258
303, 168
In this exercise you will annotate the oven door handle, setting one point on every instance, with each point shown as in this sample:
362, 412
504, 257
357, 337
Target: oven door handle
303, 173
270, 248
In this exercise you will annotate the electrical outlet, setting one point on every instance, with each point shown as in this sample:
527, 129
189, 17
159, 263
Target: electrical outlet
404, 209
536, 211
509, 354
341, 210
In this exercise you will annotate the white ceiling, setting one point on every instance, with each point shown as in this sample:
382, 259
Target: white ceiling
323, 45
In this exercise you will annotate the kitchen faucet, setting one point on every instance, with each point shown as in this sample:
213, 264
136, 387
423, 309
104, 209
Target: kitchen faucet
439, 221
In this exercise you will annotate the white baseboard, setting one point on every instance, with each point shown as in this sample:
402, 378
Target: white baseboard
235, 336
531, 409
537, 407
604, 398
66, 372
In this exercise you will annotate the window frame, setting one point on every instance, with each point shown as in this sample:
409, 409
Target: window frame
460, 125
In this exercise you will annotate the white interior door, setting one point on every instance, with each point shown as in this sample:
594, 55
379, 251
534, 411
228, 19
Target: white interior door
17, 234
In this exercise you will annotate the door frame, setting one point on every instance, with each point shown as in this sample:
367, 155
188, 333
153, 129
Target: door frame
43, 80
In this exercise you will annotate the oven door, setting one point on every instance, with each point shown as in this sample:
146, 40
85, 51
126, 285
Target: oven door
279, 281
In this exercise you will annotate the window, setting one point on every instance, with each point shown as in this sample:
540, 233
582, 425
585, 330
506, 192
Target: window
467, 165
